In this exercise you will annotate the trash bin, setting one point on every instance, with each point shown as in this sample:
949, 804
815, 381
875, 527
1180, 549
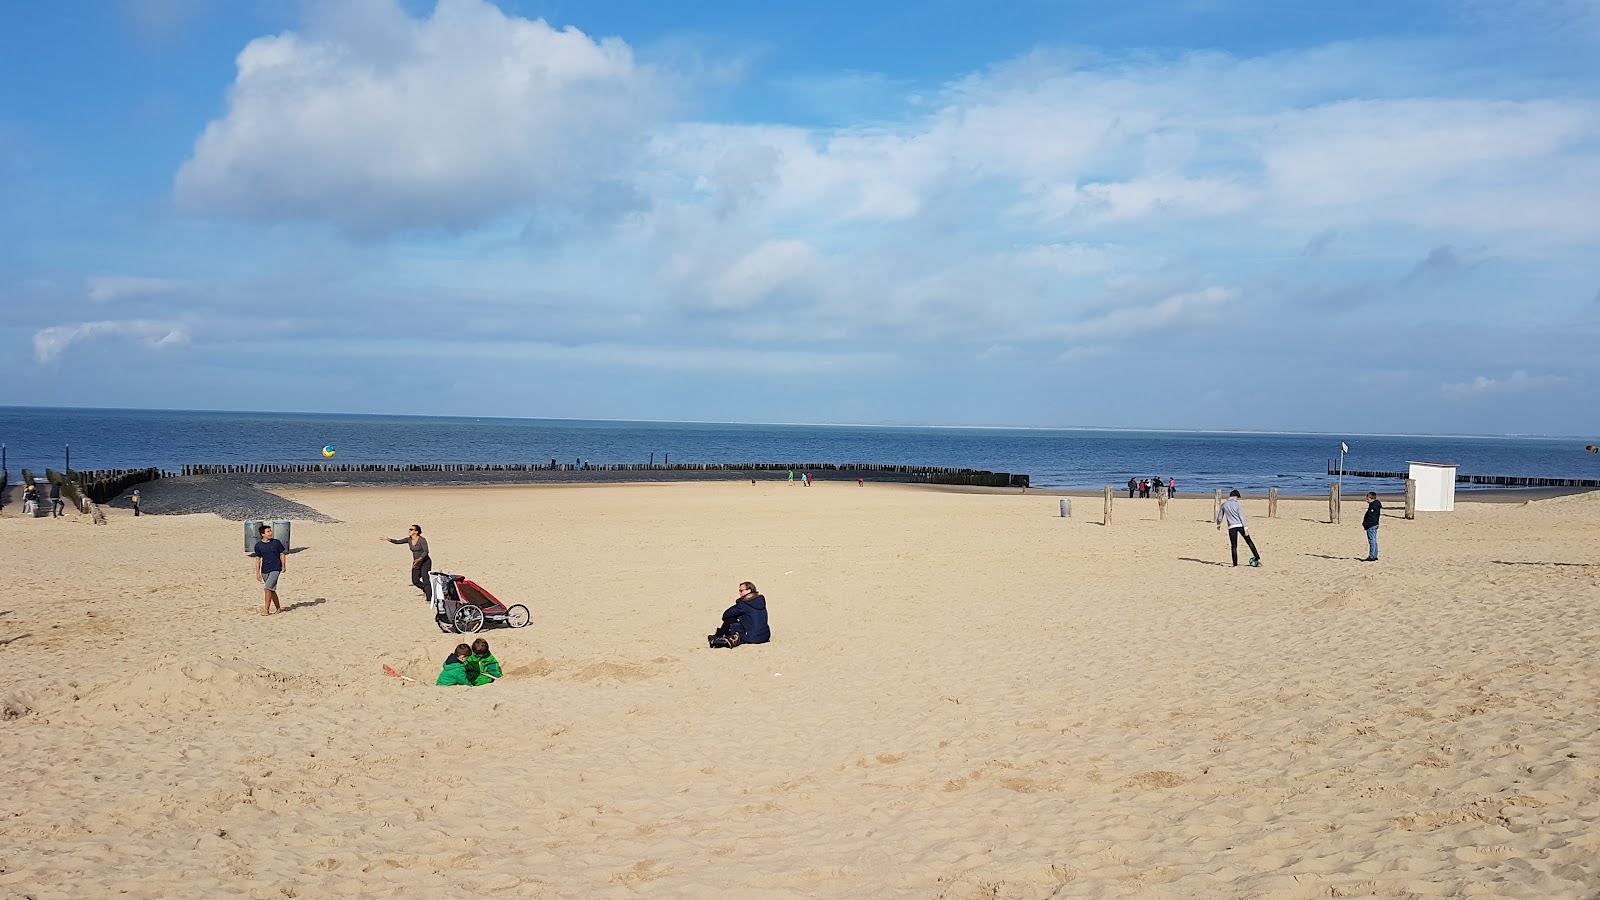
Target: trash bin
280, 530
1066, 509
252, 533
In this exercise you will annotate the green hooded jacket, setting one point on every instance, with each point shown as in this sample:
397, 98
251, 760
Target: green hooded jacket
483, 669
454, 672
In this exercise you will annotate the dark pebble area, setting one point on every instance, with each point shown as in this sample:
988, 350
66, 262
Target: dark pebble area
242, 498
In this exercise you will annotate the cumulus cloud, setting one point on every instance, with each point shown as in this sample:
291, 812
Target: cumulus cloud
378, 122
50, 343
1519, 382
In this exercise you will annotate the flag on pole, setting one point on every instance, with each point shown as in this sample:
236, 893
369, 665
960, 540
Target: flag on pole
1343, 447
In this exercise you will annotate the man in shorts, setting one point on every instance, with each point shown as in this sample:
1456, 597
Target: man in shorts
271, 561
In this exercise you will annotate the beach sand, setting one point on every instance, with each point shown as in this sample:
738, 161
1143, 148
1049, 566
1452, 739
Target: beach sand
967, 696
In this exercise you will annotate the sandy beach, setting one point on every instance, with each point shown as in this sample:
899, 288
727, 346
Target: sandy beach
967, 696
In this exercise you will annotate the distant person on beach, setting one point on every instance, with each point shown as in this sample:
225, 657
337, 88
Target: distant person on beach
421, 562
454, 671
134, 497
271, 561
1232, 512
56, 505
1370, 523
30, 500
1172, 487
482, 667
791, 478
1133, 485
745, 622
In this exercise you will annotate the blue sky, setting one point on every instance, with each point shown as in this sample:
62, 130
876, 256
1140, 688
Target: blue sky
1207, 214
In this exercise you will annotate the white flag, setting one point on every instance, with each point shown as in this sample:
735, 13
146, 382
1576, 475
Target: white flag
1343, 447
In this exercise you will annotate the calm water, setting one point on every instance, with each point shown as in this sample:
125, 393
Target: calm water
1063, 458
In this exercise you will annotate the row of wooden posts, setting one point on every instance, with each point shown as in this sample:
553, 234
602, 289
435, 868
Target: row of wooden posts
1334, 502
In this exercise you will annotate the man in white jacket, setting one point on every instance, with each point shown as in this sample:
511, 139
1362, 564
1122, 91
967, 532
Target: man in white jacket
1233, 513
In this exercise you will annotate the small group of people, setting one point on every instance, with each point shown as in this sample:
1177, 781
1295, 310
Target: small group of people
30, 500
805, 478
472, 666
1144, 486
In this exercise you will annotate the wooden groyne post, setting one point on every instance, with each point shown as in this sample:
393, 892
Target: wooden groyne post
1161, 500
1411, 498
1333, 503
1272, 503
1105, 519
1216, 505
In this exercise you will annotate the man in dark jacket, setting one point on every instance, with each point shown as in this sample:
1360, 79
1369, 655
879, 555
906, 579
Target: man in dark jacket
745, 622
1370, 523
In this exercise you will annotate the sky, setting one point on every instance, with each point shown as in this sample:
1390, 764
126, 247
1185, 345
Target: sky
1379, 217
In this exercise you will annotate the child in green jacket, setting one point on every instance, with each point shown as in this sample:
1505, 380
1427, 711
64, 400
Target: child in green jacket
482, 667
455, 668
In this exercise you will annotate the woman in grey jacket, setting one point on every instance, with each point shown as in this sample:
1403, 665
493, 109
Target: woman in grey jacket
421, 562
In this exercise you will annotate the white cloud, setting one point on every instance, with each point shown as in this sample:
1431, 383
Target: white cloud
760, 272
1130, 319
49, 343
107, 288
377, 122
1520, 382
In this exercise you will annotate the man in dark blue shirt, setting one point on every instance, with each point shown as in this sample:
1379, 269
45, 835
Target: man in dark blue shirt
271, 562
1370, 523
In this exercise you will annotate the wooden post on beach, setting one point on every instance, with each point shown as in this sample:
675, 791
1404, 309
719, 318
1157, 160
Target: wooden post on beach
1333, 504
1106, 519
1216, 505
1411, 498
1272, 503
1161, 499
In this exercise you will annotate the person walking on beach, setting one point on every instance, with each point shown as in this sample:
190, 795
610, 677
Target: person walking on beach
421, 562
56, 506
271, 561
134, 497
1370, 523
1232, 512
1172, 486
1133, 485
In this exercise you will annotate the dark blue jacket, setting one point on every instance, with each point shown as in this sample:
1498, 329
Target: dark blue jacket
748, 619
1374, 510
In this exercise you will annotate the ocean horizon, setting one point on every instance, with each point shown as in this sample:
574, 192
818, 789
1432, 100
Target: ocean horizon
1068, 457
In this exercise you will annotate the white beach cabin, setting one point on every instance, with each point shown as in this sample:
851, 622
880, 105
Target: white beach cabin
1436, 486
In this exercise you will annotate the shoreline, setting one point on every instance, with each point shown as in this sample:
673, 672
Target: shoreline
242, 497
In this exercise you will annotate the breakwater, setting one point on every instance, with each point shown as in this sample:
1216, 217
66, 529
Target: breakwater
1492, 480
874, 472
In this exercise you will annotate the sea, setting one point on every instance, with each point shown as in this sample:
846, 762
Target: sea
1064, 458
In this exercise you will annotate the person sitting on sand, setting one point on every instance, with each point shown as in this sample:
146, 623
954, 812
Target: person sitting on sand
745, 622
455, 668
482, 667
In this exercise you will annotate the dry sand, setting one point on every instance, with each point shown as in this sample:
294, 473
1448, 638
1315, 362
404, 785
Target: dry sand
967, 696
